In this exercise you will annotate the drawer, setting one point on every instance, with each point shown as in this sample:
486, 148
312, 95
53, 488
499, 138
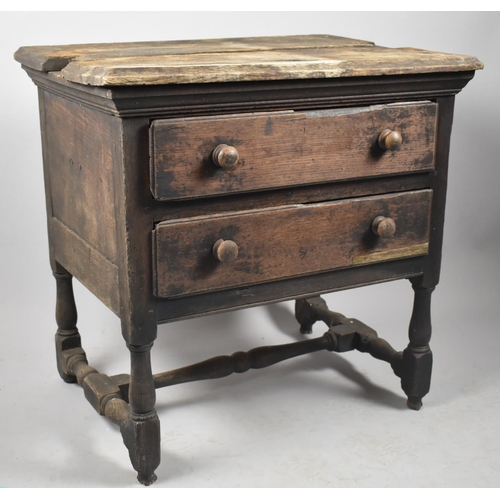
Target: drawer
267, 245
275, 150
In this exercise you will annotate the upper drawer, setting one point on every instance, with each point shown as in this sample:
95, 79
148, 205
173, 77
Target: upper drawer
231, 250
287, 149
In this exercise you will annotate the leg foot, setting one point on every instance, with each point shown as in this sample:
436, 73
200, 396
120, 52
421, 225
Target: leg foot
141, 432
414, 403
306, 329
141, 435
146, 480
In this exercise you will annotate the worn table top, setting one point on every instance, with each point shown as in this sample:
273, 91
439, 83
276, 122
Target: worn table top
234, 59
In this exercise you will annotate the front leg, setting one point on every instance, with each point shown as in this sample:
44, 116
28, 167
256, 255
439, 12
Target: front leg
417, 357
141, 431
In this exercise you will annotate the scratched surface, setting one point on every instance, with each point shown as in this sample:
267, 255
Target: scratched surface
237, 59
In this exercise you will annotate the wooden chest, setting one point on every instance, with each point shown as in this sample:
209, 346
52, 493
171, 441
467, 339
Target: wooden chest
192, 177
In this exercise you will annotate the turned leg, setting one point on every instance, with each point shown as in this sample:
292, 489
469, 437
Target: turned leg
417, 357
141, 431
67, 335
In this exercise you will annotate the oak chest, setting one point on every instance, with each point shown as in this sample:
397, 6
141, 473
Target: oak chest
192, 177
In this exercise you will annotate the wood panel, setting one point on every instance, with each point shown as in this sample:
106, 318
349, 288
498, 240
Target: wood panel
205, 61
79, 162
56, 57
284, 242
191, 306
273, 65
287, 149
86, 264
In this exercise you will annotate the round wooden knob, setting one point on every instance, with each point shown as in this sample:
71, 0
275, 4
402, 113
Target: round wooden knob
225, 156
390, 139
384, 227
225, 250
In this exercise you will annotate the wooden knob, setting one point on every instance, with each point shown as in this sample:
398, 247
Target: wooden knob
225, 156
384, 227
390, 139
225, 250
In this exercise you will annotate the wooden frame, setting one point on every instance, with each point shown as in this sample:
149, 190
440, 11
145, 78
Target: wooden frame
102, 214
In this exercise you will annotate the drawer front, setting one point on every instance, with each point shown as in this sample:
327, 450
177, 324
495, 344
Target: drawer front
287, 149
284, 242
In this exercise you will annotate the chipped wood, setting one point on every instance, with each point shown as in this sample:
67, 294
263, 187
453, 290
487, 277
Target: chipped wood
398, 253
287, 149
269, 58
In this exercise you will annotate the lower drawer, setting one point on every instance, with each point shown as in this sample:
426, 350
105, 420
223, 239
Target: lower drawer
212, 253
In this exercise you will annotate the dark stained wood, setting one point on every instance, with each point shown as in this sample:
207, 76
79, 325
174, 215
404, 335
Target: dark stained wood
67, 335
288, 241
240, 362
46, 177
287, 149
167, 101
303, 286
439, 183
284, 167
417, 357
349, 333
133, 235
141, 432
332, 191
344, 334
310, 310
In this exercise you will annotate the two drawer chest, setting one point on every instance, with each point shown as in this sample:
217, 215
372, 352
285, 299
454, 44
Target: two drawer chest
192, 177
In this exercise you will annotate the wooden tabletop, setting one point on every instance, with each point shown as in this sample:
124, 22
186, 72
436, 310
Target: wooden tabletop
234, 59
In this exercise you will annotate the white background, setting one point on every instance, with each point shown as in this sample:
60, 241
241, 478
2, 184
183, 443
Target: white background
323, 420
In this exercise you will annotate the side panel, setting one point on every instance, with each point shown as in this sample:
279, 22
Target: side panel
78, 170
79, 161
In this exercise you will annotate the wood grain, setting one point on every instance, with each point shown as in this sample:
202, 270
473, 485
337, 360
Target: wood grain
79, 163
133, 235
55, 57
277, 150
169, 101
283, 242
269, 58
262, 65
290, 209
86, 264
231, 299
